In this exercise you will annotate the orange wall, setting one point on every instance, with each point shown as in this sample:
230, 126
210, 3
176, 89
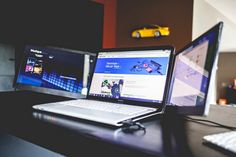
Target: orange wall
109, 27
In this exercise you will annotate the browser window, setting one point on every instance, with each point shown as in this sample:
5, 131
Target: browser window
131, 75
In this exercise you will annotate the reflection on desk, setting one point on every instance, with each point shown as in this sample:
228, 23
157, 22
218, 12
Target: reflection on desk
11, 146
150, 143
168, 136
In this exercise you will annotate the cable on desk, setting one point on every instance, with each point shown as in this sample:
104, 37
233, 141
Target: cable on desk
130, 126
214, 124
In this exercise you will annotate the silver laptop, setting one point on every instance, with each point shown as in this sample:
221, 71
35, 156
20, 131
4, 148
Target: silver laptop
126, 84
192, 82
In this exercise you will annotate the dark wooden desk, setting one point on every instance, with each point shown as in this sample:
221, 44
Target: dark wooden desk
221, 114
73, 137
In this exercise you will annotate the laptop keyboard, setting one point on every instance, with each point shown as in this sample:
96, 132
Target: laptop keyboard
225, 140
109, 107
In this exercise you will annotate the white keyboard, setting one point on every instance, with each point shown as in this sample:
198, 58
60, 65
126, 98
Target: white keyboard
226, 140
108, 107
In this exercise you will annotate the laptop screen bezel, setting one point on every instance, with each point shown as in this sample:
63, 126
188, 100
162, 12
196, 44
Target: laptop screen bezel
197, 110
159, 106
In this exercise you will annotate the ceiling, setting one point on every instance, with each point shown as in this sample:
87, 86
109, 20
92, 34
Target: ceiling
209, 12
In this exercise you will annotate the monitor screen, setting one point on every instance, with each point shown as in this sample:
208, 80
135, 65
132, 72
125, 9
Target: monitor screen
54, 70
135, 75
192, 71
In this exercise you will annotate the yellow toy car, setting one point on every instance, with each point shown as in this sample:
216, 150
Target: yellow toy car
150, 31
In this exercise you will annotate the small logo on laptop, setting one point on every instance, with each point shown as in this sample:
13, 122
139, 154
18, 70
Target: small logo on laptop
120, 101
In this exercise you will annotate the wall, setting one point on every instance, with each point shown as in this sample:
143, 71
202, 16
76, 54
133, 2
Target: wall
226, 72
7, 67
109, 24
207, 13
201, 22
70, 24
177, 14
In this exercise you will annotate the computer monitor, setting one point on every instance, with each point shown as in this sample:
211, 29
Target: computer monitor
193, 68
54, 71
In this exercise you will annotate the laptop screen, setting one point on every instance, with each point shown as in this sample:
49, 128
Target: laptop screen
136, 75
51, 70
192, 71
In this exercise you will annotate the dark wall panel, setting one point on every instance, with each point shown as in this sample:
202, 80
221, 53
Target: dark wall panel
76, 24
177, 14
109, 33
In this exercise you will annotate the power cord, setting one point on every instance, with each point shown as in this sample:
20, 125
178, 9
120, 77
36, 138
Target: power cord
130, 126
212, 123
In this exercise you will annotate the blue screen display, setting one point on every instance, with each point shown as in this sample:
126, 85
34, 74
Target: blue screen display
51, 68
138, 66
191, 74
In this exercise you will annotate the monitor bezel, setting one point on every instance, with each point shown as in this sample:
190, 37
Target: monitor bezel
198, 110
44, 90
159, 106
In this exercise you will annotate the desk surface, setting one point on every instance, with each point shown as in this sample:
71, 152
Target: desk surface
74, 137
